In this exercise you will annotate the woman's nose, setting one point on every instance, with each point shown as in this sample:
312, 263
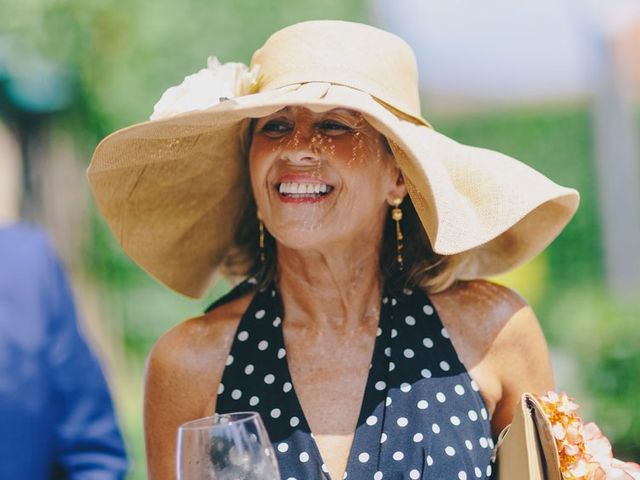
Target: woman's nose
301, 156
301, 146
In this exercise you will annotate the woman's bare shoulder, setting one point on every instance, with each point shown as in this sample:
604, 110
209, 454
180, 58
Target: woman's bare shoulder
494, 322
183, 372
483, 293
200, 341
480, 307
498, 318
185, 366
499, 338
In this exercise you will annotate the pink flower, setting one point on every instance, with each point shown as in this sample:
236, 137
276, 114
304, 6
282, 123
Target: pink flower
598, 447
596, 444
585, 453
579, 470
565, 405
550, 397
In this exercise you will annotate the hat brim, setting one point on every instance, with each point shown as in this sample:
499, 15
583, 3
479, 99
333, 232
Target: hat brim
172, 190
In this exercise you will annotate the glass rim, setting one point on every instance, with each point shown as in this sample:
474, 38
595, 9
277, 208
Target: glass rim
210, 421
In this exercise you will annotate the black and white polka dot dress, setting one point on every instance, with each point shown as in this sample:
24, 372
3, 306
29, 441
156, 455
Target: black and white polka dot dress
422, 415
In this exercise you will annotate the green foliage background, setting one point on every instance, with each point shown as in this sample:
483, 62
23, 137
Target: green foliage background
123, 54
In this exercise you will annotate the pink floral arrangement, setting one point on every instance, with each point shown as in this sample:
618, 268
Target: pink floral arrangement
585, 453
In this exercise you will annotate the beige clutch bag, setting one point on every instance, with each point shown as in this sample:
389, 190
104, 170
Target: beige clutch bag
526, 449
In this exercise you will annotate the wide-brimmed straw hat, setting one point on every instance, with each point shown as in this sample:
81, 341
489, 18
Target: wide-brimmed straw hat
172, 189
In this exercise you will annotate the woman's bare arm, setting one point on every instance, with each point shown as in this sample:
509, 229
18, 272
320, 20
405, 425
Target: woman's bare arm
522, 363
499, 339
183, 372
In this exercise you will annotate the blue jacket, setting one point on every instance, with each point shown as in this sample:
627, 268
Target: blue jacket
56, 415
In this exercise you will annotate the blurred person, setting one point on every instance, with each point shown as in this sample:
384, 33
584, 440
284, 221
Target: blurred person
363, 331
56, 415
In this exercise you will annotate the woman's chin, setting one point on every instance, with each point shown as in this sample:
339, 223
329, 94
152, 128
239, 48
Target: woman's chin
295, 239
294, 242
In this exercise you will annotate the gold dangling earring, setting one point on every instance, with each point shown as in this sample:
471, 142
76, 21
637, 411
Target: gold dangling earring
261, 238
396, 214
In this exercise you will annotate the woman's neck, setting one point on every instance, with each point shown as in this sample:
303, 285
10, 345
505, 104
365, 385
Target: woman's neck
335, 289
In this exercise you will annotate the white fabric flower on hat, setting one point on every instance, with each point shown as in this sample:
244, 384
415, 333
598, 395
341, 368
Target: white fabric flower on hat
206, 88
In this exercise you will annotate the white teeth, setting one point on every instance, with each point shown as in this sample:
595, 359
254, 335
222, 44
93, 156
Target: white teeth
303, 188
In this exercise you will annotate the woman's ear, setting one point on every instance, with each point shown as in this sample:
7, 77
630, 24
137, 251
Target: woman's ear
398, 189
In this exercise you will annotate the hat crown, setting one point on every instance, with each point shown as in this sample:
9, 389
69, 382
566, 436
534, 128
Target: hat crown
346, 53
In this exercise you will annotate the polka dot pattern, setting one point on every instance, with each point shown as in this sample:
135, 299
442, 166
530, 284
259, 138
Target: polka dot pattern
422, 415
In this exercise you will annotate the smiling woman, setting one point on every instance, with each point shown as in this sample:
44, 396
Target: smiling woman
295, 151
361, 329
311, 150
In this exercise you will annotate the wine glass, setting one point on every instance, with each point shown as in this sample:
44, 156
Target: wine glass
232, 446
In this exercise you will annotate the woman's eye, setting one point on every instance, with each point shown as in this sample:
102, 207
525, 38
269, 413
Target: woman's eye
276, 128
333, 127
